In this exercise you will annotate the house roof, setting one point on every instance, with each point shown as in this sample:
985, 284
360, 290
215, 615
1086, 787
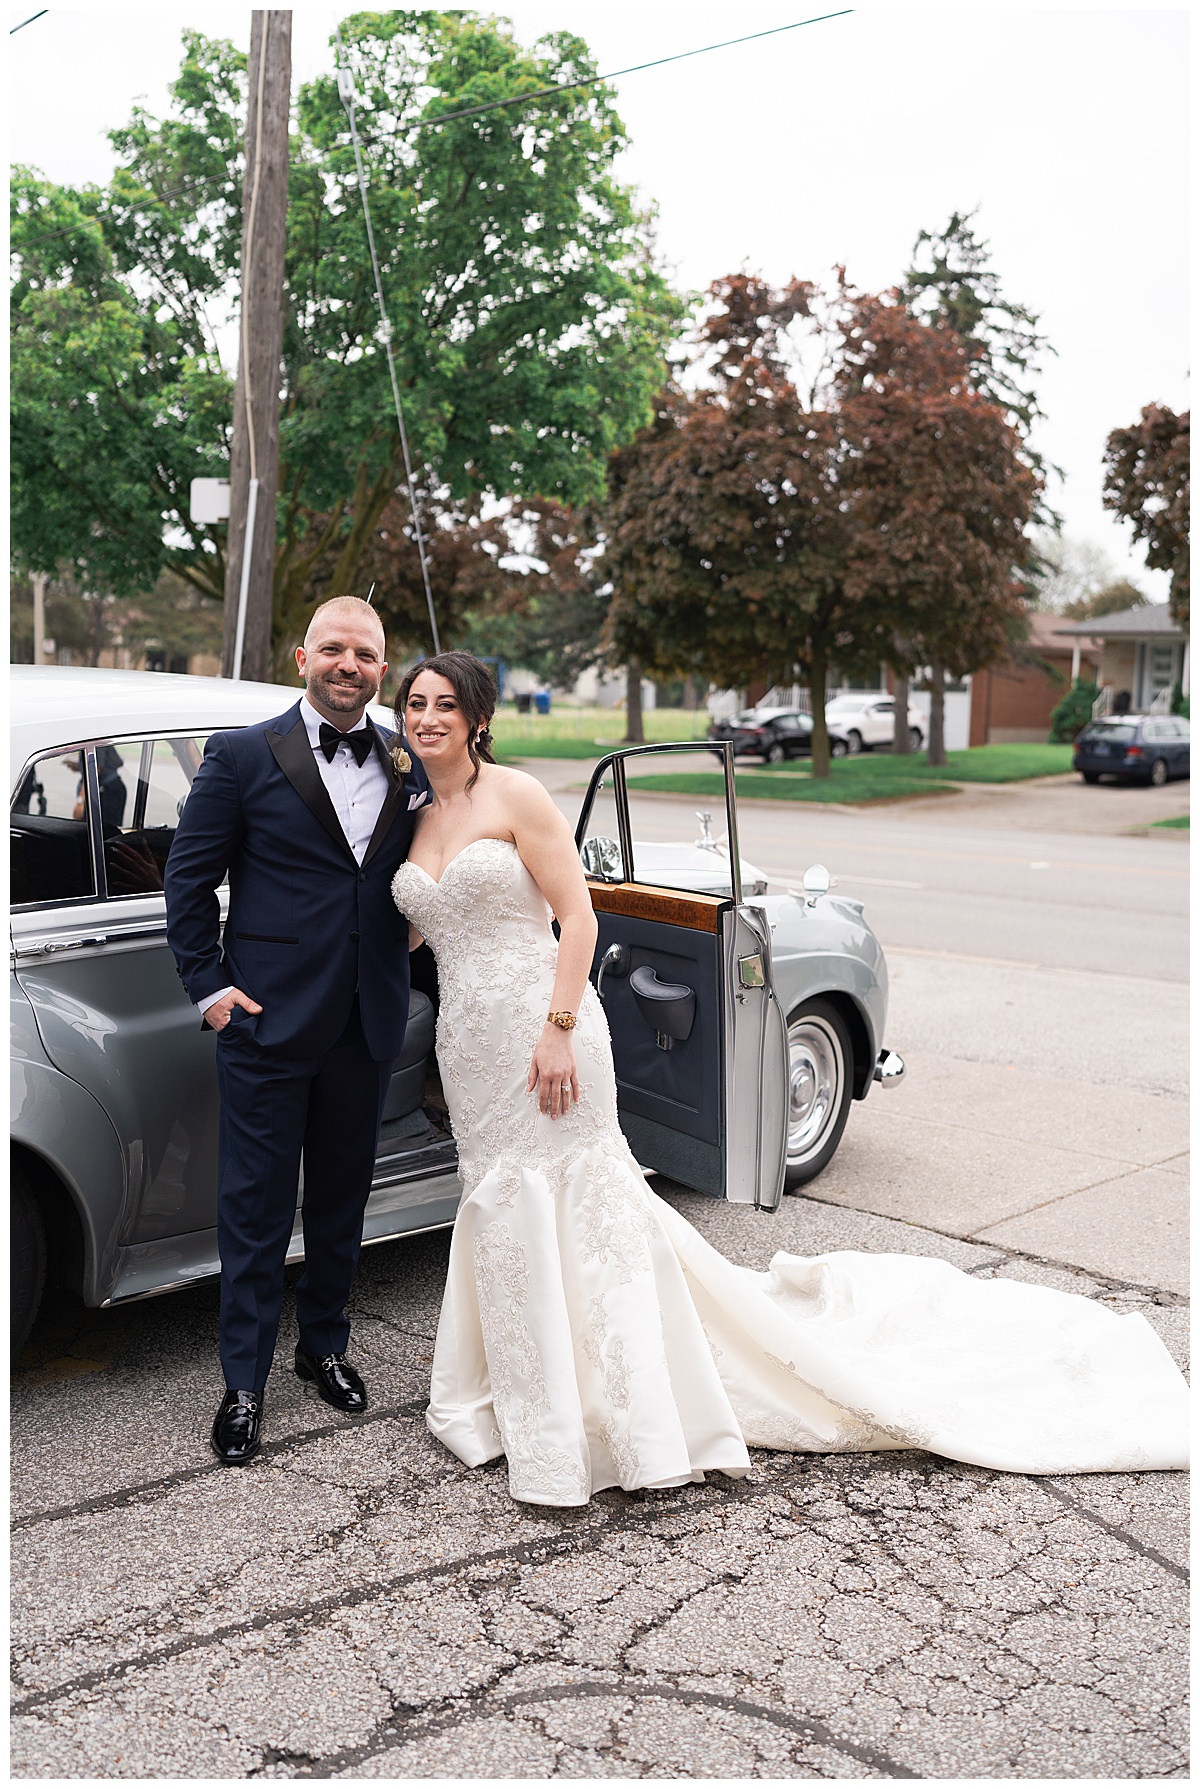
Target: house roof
1044, 633
1151, 621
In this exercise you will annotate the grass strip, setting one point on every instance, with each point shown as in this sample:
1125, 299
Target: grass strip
1183, 823
768, 787
587, 732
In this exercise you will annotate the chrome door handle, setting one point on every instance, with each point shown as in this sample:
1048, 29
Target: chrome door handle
49, 950
614, 958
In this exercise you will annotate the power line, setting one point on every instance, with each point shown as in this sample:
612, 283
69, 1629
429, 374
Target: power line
345, 84
29, 20
518, 99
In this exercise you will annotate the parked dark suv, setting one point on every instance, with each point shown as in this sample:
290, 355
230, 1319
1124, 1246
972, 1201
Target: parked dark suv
773, 734
1136, 748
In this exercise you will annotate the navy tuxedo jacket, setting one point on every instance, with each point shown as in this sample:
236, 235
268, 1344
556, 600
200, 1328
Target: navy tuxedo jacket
307, 925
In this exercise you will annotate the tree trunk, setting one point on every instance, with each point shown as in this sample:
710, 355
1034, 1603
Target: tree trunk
634, 731
901, 742
937, 716
255, 455
818, 679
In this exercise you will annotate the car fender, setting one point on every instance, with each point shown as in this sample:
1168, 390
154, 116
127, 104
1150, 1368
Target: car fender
60, 1123
829, 948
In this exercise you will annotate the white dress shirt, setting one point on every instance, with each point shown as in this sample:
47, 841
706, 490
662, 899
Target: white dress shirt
357, 791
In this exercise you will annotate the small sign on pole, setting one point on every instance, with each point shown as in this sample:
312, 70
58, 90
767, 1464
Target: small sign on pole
209, 500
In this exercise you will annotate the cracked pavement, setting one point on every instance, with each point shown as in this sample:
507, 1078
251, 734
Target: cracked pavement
357, 1604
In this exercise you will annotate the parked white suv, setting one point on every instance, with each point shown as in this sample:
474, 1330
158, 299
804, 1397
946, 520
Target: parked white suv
866, 719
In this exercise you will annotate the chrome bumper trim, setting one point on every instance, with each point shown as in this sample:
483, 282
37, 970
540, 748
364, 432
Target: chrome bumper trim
889, 1070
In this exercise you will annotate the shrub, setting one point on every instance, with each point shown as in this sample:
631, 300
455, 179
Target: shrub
1073, 712
1181, 704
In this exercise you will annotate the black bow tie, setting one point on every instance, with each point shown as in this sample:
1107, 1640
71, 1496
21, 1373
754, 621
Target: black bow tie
360, 742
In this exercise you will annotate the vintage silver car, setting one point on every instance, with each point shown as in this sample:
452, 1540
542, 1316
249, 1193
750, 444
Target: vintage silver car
743, 1023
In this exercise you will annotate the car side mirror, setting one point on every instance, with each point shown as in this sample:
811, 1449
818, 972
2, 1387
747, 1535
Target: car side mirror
816, 883
602, 857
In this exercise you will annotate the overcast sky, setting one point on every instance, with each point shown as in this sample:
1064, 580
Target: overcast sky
834, 143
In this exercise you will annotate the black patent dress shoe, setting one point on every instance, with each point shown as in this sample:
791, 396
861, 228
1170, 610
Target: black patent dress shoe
235, 1430
334, 1378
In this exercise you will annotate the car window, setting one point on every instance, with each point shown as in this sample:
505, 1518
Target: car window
1185, 728
1119, 734
143, 786
883, 708
50, 850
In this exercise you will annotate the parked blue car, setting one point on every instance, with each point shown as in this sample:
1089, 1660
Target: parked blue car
1136, 748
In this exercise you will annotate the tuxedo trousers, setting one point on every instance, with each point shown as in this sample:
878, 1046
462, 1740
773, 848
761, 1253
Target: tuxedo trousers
276, 1112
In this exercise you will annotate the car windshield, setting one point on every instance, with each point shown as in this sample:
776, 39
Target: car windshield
1116, 733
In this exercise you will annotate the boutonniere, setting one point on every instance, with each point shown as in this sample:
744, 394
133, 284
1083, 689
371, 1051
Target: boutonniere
400, 758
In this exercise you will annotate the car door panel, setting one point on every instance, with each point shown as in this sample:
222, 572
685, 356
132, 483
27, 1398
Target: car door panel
708, 1106
113, 1017
661, 1094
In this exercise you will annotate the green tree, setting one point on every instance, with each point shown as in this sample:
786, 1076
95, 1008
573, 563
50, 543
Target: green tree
1147, 481
529, 322
1112, 599
951, 280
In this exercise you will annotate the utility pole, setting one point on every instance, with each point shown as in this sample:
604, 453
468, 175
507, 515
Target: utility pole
254, 463
39, 617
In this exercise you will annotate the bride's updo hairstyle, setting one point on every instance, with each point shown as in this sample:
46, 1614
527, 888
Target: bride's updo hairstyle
475, 692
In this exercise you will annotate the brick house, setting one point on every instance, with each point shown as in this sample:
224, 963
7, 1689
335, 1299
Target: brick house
1142, 651
1012, 701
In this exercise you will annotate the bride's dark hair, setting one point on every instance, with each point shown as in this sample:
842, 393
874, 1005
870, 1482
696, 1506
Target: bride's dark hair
475, 692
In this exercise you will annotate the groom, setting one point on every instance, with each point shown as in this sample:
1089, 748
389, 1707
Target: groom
309, 817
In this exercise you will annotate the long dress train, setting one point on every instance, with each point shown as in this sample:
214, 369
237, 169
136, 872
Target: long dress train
590, 1334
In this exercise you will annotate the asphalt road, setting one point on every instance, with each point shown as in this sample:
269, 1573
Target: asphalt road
356, 1604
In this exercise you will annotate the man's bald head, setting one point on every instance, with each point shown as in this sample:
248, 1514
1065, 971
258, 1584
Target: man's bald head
341, 660
353, 607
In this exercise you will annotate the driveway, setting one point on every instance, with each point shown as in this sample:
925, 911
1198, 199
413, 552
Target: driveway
356, 1604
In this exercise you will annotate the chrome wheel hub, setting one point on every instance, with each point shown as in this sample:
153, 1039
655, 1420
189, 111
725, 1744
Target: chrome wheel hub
816, 1073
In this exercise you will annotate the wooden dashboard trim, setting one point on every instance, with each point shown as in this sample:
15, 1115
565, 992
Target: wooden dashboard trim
637, 900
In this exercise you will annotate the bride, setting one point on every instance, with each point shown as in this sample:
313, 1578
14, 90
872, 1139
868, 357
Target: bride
587, 1331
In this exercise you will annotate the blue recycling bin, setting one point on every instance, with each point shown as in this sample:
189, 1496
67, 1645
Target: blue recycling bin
541, 701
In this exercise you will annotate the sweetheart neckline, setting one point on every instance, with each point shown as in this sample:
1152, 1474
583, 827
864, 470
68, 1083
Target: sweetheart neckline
436, 881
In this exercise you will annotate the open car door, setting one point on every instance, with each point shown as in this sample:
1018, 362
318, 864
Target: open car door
699, 1040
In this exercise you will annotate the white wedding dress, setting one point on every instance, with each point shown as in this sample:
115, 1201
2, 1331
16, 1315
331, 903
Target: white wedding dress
592, 1335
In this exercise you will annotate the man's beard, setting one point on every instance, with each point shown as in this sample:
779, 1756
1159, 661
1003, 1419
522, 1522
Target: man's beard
343, 697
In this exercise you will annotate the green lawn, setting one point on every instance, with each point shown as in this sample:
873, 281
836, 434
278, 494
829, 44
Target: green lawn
776, 786
585, 732
1182, 824
874, 776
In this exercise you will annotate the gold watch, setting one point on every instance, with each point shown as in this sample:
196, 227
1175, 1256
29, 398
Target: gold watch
565, 1021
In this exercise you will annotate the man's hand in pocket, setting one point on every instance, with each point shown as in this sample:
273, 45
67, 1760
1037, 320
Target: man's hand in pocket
220, 1012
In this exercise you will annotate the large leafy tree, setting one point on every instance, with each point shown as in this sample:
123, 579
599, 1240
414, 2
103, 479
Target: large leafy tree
939, 495
1147, 481
528, 320
755, 530
726, 539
